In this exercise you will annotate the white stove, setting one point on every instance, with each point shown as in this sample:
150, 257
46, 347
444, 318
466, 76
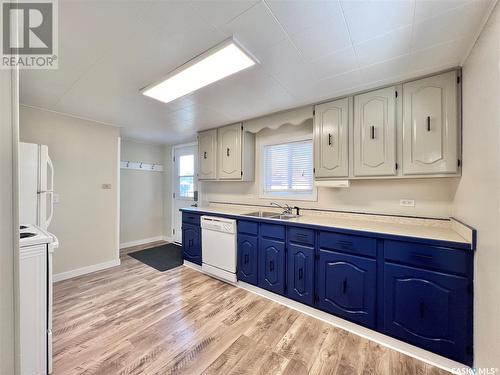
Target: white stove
32, 235
36, 247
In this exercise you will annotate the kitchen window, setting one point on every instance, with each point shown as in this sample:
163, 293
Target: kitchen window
287, 171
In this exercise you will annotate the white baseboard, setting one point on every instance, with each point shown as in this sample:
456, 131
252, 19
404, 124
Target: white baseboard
85, 270
145, 241
380, 338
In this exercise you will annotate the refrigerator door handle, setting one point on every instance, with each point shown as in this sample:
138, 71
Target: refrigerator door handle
50, 167
50, 207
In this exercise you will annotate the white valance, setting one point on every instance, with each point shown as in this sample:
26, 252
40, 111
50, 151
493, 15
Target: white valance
296, 117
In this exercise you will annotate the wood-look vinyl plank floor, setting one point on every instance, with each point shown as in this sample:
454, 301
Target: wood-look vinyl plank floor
133, 319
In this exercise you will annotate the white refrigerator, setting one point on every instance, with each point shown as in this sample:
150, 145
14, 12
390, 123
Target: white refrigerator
36, 184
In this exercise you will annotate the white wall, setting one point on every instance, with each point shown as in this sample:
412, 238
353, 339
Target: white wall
167, 188
142, 194
477, 200
85, 156
8, 218
433, 197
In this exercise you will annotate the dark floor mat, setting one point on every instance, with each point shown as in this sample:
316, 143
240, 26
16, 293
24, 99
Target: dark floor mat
162, 258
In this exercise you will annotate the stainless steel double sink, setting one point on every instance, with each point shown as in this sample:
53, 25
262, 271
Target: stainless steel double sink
271, 215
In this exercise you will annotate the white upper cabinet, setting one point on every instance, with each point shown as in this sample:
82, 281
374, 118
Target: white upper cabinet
230, 152
375, 133
331, 154
430, 126
236, 153
207, 155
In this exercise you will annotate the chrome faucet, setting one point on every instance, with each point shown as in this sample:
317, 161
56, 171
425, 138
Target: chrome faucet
287, 210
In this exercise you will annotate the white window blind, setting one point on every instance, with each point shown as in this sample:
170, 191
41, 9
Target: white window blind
288, 169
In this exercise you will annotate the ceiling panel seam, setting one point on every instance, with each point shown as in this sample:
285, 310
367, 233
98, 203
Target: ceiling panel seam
349, 33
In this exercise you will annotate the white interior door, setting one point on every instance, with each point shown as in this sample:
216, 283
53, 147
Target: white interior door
185, 184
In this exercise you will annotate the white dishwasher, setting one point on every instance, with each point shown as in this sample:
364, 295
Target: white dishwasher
218, 238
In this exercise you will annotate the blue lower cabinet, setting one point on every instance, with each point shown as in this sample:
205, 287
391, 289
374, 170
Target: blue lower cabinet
429, 309
416, 292
191, 243
247, 258
300, 273
347, 286
272, 265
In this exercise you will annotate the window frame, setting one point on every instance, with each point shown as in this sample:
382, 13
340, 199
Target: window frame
312, 197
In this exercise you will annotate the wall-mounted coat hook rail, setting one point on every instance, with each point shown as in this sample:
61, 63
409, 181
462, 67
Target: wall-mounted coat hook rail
140, 166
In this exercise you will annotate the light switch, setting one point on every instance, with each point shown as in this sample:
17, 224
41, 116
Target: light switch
407, 202
106, 186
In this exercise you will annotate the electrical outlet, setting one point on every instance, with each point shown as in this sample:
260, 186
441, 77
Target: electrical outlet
106, 186
407, 202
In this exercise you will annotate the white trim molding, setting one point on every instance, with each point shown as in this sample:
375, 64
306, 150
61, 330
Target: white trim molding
145, 241
85, 270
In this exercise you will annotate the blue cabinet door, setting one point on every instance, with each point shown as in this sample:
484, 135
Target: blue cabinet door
191, 243
247, 258
347, 286
430, 309
272, 265
300, 273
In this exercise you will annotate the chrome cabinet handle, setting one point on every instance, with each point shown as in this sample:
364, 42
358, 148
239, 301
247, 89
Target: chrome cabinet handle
329, 139
227, 151
204, 155
344, 286
246, 259
428, 123
271, 266
372, 129
301, 273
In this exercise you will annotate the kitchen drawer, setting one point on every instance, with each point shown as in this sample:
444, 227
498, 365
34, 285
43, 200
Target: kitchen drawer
272, 231
432, 257
301, 236
347, 243
190, 218
248, 227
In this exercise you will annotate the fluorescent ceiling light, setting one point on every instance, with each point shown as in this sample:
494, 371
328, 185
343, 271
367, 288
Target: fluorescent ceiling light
218, 62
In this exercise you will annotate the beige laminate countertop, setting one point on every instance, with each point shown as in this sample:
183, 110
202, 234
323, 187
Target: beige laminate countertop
432, 229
